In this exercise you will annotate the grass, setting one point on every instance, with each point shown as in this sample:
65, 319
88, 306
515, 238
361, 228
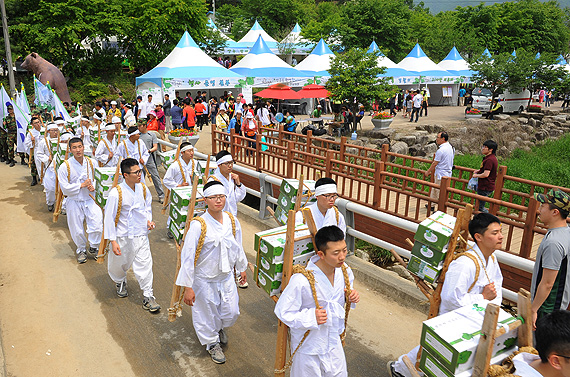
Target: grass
379, 256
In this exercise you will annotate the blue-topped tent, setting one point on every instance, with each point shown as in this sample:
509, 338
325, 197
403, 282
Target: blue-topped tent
213, 26
487, 53
455, 64
187, 62
253, 34
418, 63
300, 45
318, 62
561, 60
392, 69
262, 62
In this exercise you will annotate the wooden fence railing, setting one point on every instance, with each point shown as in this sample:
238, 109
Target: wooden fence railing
387, 181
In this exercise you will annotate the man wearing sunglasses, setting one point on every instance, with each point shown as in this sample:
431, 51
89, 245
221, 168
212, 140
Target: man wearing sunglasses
128, 219
324, 211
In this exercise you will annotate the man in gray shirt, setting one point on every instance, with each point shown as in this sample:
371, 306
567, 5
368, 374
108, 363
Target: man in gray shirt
166, 107
442, 164
550, 286
151, 142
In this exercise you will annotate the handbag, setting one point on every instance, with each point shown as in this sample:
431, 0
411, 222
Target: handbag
473, 184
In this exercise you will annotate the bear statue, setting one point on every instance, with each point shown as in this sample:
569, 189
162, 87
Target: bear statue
45, 71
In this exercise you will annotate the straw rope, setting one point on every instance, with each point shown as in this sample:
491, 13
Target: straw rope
507, 367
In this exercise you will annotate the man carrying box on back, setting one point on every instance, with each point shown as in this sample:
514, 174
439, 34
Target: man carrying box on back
324, 211
321, 352
462, 285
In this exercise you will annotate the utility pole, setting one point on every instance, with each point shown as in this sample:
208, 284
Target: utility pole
8, 49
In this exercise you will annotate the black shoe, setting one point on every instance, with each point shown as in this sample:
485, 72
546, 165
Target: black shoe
34, 181
7, 161
12, 163
23, 161
2, 159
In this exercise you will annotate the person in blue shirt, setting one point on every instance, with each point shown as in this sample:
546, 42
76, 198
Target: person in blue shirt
290, 124
462, 93
235, 123
176, 113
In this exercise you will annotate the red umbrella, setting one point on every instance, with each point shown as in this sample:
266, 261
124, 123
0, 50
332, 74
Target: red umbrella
313, 91
279, 91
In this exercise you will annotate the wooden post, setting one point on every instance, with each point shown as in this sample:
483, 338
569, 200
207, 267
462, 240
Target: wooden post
299, 196
328, 164
499, 184
524, 310
233, 150
528, 228
176, 289
309, 145
282, 329
206, 171
385, 150
342, 149
443, 194
280, 135
289, 159
486, 341
377, 194
214, 149
257, 157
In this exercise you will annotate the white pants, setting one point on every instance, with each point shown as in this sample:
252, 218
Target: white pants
49, 186
401, 368
216, 307
135, 252
332, 364
84, 211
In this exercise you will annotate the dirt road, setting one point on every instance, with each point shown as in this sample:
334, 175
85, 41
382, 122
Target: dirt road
58, 318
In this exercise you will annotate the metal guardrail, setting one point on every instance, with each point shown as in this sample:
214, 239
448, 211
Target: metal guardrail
348, 209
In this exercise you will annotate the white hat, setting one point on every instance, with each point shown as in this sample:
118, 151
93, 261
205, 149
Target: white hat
116, 120
60, 121
248, 115
66, 136
52, 126
113, 102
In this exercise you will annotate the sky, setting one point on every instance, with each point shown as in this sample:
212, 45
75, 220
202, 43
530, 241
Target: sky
437, 6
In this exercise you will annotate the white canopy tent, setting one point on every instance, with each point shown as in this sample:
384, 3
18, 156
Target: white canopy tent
318, 62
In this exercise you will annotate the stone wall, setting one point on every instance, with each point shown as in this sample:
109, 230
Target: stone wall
510, 132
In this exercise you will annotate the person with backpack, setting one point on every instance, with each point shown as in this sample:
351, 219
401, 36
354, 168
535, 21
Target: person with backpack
127, 221
473, 277
207, 271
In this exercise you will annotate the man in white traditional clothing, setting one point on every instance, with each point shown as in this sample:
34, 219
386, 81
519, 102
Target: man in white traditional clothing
105, 154
208, 274
321, 353
77, 181
180, 172
235, 191
552, 340
83, 132
457, 289
128, 219
98, 121
324, 210
133, 148
45, 154
116, 121
32, 141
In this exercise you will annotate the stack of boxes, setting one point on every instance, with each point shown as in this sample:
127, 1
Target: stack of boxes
270, 245
201, 168
166, 158
450, 340
104, 178
430, 246
288, 197
179, 200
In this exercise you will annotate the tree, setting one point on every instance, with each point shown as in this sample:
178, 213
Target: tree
355, 79
324, 25
152, 29
215, 43
234, 20
386, 21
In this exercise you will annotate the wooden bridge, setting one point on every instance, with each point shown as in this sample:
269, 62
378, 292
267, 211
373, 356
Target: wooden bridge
392, 183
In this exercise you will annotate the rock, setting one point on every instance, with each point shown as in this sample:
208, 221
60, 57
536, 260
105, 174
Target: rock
555, 132
381, 133
352, 151
512, 145
503, 151
522, 120
416, 150
463, 130
518, 139
423, 138
409, 139
362, 255
380, 142
532, 122
550, 112
501, 117
400, 147
430, 148
401, 271
537, 116
541, 135
358, 142
527, 129
559, 118
477, 122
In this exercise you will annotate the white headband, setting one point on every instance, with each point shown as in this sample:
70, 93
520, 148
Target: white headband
187, 148
134, 133
329, 188
65, 137
109, 127
226, 158
59, 121
52, 126
214, 190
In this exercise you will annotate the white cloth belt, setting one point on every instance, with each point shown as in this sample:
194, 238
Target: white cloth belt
335, 312
224, 244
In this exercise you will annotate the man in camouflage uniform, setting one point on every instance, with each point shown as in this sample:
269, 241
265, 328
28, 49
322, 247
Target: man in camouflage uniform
12, 132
